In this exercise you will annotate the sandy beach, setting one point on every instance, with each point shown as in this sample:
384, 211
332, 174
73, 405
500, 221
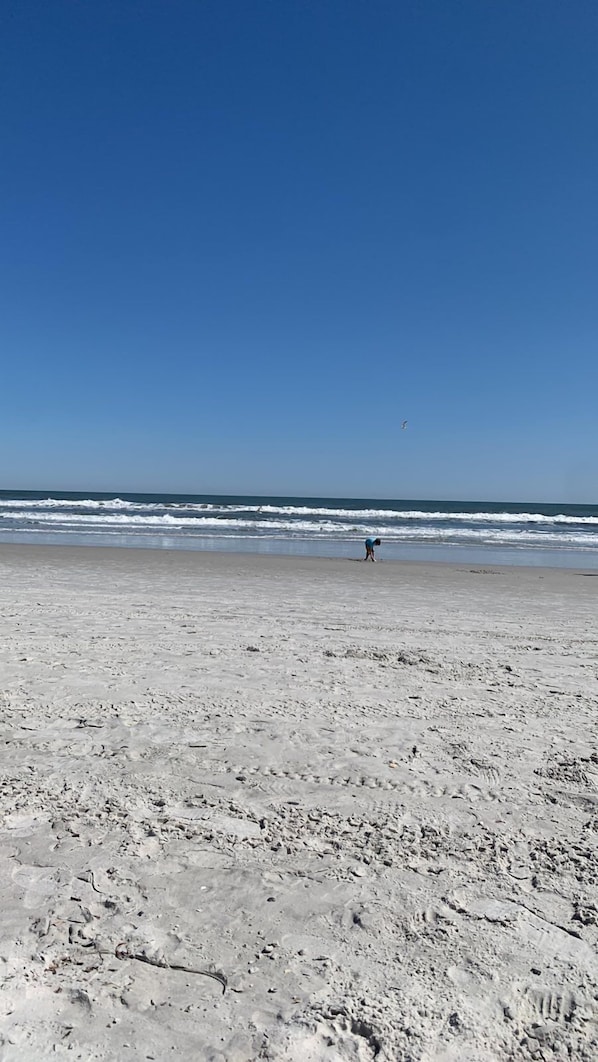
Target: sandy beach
273, 808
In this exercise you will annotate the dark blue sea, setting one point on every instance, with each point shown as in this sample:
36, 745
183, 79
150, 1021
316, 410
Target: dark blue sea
487, 532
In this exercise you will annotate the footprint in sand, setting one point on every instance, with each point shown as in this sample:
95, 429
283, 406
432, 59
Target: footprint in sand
39, 884
336, 1038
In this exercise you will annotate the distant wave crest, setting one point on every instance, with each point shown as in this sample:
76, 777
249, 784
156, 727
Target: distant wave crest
193, 510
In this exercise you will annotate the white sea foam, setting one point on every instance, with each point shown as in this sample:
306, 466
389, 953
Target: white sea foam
169, 521
210, 524
302, 511
422, 514
70, 503
565, 542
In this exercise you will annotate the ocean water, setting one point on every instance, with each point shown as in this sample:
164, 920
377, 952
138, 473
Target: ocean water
513, 533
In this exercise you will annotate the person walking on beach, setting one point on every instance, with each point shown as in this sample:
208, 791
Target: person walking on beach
369, 548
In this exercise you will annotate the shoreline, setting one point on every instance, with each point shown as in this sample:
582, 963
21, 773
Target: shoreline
511, 534
425, 556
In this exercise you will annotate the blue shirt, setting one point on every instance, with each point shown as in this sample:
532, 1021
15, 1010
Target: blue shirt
369, 543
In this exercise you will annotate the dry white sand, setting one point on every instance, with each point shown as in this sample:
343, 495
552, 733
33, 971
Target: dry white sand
363, 798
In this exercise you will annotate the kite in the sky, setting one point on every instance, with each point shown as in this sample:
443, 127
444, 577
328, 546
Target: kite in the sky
404, 425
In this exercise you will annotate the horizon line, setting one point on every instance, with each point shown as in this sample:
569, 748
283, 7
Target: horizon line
315, 497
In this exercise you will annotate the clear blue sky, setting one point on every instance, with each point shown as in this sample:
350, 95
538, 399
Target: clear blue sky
242, 240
